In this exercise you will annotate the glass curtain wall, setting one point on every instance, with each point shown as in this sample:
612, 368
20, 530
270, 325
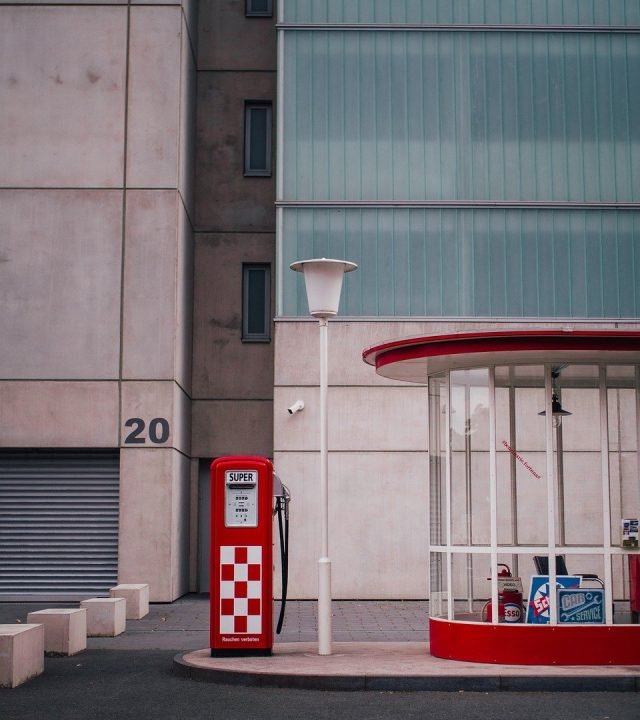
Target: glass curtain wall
471, 262
476, 159
385, 115
524, 12
512, 489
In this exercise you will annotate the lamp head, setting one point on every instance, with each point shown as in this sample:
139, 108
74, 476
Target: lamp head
323, 282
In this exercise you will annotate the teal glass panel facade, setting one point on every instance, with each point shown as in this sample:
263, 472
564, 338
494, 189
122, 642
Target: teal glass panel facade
490, 12
470, 262
486, 173
481, 116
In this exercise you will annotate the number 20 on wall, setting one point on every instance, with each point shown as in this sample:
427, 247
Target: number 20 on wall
157, 431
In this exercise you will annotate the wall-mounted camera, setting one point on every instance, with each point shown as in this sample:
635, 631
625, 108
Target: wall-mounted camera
296, 407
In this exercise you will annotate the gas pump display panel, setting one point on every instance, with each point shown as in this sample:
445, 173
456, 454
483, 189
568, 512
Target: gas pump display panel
241, 498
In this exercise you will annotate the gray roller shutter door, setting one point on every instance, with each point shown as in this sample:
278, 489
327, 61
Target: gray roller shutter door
58, 524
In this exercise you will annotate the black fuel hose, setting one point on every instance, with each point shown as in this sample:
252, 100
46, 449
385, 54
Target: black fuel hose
283, 528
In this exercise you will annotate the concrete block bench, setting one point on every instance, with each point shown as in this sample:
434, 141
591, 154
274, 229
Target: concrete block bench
21, 653
137, 597
106, 617
65, 630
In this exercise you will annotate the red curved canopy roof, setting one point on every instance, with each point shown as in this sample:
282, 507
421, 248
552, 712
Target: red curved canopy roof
414, 359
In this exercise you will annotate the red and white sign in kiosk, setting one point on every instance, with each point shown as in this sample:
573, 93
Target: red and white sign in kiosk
241, 604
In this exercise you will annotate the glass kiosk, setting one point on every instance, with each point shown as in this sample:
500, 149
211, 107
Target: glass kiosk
534, 467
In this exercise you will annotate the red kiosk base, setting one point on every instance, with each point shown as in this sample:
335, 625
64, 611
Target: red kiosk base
511, 644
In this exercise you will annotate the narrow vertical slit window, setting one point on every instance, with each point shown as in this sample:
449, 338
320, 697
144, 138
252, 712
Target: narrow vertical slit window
259, 8
257, 138
256, 302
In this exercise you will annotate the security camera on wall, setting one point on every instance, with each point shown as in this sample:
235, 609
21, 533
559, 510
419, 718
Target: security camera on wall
296, 407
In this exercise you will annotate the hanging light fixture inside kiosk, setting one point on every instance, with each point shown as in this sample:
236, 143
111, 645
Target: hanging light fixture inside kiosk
557, 411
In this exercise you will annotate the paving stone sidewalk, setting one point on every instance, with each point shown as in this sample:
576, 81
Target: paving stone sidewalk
184, 624
379, 643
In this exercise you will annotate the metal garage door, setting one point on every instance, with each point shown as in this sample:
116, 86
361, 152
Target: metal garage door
58, 523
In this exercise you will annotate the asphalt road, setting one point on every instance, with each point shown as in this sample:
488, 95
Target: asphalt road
140, 684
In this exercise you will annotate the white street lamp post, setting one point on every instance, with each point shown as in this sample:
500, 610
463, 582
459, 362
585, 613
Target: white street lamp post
323, 282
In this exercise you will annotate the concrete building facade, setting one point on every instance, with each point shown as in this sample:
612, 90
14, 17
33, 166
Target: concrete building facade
97, 255
126, 222
476, 159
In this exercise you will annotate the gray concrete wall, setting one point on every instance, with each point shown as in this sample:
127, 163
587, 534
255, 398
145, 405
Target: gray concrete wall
235, 224
98, 207
157, 302
379, 459
226, 200
232, 380
97, 118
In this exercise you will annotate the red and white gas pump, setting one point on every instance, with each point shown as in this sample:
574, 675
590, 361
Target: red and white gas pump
241, 596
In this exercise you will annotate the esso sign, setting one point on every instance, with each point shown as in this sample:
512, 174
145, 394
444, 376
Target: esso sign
512, 613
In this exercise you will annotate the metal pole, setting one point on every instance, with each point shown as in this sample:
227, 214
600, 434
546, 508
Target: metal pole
324, 563
606, 493
493, 494
551, 499
467, 483
560, 476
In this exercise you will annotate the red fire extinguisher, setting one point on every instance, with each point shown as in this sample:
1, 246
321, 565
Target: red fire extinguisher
509, 598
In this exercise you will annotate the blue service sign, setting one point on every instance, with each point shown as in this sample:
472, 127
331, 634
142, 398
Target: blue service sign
581, 606
539, 606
